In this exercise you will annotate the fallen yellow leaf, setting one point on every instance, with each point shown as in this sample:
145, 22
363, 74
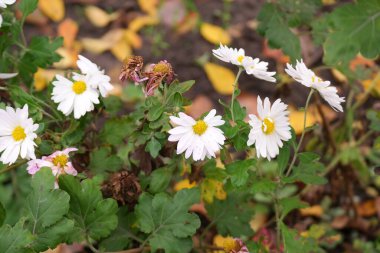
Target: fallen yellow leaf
133, 39
68, 60
142, 21
219, 241
215, 34
339, 76
53, 9
68, 29
44, 76
121, 50
296, 119
316, 211
184, 184
108, 41
212, 189
375, 91
148, 6
99, 17
221, 78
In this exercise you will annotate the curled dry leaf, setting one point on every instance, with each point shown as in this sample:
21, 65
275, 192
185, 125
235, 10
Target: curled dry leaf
68, 29
99, 17
53, 9
108, 41
221, 78
142, 21
215, 34
149, 6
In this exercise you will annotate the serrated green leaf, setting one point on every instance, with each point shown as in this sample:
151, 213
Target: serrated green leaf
239, 171
355, 29
283, 157
294, 243
289, 204
167, 220
160, 179
28, 6
153, 147
45, 206
14, 239
95, 216
263, 185
102, 160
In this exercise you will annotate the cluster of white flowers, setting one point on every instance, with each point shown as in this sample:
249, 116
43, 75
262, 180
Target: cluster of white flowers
3, 4
252, 66
80, 94
269, 129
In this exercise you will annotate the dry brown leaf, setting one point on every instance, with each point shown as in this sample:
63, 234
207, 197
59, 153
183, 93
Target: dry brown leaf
316, 211
221, 78
121, 50
215, 34
367, 208
258, 221
68, 29
249, 101
200, 105
99, 17
108, 41
361, 61
133, 39
149, 6
142, 21
37, 18
53, 9
188, 24
339, 76
275, 54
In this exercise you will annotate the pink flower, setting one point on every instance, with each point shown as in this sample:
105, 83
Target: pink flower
58, 162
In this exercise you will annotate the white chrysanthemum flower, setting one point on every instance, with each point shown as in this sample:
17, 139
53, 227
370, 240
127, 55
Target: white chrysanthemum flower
199, 138
258, 68
270, 128
98, 78
76, 96
308, 78
7, 75
3, 4
230, 55
16, 135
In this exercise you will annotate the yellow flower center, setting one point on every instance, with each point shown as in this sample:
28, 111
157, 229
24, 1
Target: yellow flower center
240, 59
267, 125
79, 87
230, 244
18, 133
161, 68
200, 127
314, 78
60, 160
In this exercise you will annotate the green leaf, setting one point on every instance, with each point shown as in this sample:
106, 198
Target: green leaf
231, 216
355, 30
283, 157
307, 171
239, 171
155, 112
273, 26
160, 179
374, 117
289, 204
102, 160
263, 185
3, 214
153, 147
14, 239
95, 216
27, 7
294, 243
167, 220
113, 104
116, 130
46, 206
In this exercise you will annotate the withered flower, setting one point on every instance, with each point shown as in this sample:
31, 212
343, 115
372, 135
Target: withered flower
132, 69
160, 72
234, 245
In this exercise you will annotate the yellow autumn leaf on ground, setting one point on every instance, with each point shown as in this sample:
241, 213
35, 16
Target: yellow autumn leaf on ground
44, 76
211, 189
133, 39
219, 241
99, 17
316, 211
184, 184
68, 29
69, 58
215, 34
53, 9
296, 118
121, 50
139, 22
108, 41
221, 78
375, 91
149, 6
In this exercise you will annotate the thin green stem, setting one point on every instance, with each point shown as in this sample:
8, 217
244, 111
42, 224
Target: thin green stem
302, 135
277, 216
13, 166
235, 86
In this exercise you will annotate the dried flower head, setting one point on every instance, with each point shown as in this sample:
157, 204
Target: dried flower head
132, 69
160, 72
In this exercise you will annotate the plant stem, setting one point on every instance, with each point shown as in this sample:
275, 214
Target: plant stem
11, 167
303, 133
278, 229
235, 86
